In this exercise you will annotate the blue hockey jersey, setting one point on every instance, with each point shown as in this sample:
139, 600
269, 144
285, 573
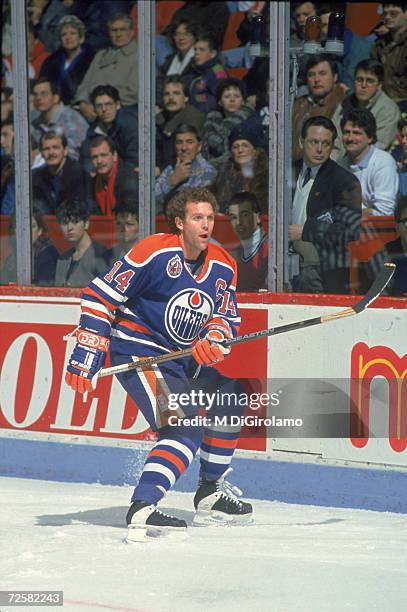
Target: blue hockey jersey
150, 297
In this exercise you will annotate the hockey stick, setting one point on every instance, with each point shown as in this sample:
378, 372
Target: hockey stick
375, 290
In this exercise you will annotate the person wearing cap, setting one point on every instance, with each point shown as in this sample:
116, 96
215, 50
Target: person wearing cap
190, 169
231, 110
245, 169
69, 63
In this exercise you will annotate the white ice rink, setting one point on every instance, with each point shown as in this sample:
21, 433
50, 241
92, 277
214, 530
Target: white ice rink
69, 537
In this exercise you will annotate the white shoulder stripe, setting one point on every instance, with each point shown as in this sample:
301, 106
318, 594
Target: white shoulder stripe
131, 262
108, 290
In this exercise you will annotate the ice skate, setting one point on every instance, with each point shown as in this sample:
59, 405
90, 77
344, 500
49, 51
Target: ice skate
216, 503
146, 523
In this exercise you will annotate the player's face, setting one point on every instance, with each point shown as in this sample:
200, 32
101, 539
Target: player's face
106, 108
54, 152
187, 146
366, 85
321, 80
127, 227
74, 229
355, 140
302, 12
231, 99
102, 158
243, 220
196, 229
317, 145
174, 98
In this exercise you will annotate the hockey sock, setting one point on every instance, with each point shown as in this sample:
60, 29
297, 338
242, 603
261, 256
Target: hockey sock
217, 448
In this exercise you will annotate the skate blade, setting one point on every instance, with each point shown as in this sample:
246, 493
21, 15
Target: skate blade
207, 519
155, 534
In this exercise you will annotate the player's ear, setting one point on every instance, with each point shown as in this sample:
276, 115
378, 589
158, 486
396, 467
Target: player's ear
179, 223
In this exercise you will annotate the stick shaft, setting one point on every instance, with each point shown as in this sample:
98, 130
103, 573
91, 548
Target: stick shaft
379, 284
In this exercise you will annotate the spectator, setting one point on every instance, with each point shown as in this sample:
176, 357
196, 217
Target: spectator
394, 252
211, 17
7, 136
78, 266
183, 37
230, 111
375, 169
252, 255
207, 71
68, 64
117, 122
302, 10
112, 181
45, 17
370, 95
36, 54
116, 65
400, 155
246, 168
323, 99
44, 253
391, 51
127, 228
176, 111
254, 33
326, 213
54, 114
60, 178
190, 169
6, 102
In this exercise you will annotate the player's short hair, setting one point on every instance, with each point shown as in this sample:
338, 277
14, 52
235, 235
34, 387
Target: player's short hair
363, 119
104, 90
72, 209
51, 134
176, 207
100, 139
401, 205
319, 121
245, 197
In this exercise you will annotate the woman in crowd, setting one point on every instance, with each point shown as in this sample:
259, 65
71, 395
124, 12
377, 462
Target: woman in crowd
231, 111
183, 37
245, 169
68, 65
44, 253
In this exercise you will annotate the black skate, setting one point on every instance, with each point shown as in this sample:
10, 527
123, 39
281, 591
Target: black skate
145, 523
216, 502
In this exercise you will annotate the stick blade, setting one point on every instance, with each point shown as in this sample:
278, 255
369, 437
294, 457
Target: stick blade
380, 283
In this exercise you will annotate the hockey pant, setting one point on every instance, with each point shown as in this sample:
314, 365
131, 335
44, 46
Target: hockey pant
157, 394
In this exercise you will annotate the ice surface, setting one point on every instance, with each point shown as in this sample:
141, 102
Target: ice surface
69, 537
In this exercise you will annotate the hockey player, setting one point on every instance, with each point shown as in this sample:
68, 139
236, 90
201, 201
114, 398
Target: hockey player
170, 291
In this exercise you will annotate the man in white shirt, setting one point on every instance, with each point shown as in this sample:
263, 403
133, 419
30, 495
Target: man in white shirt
375, 169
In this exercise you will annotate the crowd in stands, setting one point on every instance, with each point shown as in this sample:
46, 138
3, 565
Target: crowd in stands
349, 131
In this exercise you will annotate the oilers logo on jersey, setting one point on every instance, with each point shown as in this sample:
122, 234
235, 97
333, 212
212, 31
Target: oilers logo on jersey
186, 313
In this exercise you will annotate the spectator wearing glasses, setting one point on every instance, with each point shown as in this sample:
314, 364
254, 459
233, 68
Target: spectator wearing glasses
53, 114
116, 65
113, 120
369, 94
